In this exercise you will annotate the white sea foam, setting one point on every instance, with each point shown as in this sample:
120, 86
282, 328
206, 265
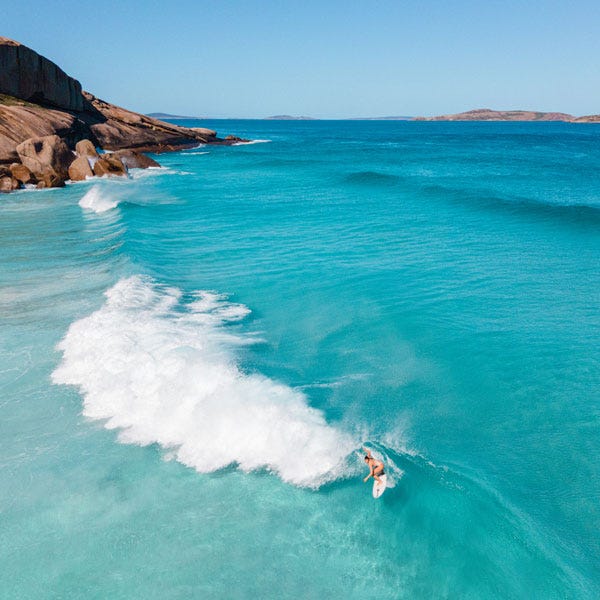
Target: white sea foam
97, 200
251, 142
153, 172
164, 371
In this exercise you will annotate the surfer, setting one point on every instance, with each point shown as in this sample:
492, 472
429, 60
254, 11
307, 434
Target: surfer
376, 467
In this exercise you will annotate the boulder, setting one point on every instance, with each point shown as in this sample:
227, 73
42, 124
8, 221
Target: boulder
135, 160
108, 164
86, 148
26, 74
9, 184
21, 173
80, 169
19, 122
49, 178
234, 139
203, 131
43, 153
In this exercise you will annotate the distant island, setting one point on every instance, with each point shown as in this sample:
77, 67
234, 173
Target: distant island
289, 118
478, 114
488, 114
162, 115
395, 118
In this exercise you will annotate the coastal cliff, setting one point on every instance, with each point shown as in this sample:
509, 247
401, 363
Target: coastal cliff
25, 74
40, 103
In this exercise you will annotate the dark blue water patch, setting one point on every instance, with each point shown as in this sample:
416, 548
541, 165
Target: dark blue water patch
285, 163
574, 214
371, 178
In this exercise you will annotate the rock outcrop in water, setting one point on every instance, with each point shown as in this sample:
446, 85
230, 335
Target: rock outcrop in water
44, 112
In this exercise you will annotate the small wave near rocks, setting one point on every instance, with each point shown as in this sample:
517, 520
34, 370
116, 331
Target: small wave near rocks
97, 200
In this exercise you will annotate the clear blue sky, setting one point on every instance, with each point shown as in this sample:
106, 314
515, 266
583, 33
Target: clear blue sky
332, 58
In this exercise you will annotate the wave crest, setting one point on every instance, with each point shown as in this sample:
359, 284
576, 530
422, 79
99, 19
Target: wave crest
162, 370
97, 201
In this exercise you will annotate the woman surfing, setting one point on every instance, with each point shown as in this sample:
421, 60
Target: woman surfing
376, 468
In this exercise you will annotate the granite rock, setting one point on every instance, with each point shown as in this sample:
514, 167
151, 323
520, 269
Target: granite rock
86, 148
8, 184
21, 173
43, 153
108, 164
134, 160
80, 169
49, 178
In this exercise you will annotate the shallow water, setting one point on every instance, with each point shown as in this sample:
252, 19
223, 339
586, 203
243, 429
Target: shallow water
192, 358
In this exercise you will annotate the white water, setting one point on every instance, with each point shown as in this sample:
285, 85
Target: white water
251, 142
163, 370
96, 200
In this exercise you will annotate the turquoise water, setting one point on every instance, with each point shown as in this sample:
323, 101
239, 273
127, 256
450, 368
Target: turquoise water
192, 359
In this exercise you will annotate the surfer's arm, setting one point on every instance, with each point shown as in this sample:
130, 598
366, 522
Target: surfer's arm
371, 474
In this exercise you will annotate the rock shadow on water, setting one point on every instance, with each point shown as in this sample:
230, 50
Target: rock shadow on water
584, 215
372, 178
286, 163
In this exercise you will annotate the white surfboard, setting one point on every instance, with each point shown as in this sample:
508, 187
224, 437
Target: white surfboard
379, 488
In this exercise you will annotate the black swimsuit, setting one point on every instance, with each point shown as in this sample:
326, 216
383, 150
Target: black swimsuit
379, 474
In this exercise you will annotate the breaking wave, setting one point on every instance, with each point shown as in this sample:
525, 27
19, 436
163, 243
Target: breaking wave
163, 370
96, 200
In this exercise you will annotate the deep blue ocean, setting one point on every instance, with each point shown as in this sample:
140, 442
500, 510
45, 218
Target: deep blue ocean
191, 359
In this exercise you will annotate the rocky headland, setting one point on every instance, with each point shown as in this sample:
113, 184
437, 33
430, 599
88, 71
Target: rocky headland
487, 114
587, 119
50, 129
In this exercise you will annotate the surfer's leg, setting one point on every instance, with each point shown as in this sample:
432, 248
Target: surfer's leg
377, 473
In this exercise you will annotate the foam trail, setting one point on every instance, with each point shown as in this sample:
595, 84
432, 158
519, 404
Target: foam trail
251, 142
164, 371
96, 201
152, 172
